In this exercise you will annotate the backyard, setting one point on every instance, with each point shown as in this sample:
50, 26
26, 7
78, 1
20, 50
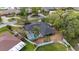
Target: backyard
52, 47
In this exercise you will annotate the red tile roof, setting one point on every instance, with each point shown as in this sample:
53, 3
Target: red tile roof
7, 41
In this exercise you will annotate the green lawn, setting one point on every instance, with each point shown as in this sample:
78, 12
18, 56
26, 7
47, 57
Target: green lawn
52, 47
3, 29
16, 29
28, 47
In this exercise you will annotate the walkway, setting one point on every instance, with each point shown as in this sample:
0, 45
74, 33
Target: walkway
68, 44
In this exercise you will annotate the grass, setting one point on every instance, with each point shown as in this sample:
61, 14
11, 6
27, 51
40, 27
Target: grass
15, 28
52, 47
3, 30
28, 47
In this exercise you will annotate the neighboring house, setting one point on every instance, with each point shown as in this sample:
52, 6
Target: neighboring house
5, 20
48, 8
29, 9
37, 17
51, 12
76, 8
9, 42
9, 11
45, 29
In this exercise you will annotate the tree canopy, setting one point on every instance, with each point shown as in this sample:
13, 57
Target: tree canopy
66, 22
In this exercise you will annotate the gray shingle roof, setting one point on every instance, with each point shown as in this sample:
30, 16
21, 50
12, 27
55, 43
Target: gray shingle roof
45, 29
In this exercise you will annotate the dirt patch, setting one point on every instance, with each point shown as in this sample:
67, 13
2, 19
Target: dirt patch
40, 40
56, 37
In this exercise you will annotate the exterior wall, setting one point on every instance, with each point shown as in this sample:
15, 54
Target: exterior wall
18, 47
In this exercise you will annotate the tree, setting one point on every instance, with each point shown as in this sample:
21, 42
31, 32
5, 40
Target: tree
72, 25
56, 19
66, 22
9, 27
35, 10
24, 14
0, 19
23, 11
36, 30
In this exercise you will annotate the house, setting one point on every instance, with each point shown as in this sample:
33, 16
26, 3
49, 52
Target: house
48, 8
42, 29
8, 11
38, 17
9, 42
76, 8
